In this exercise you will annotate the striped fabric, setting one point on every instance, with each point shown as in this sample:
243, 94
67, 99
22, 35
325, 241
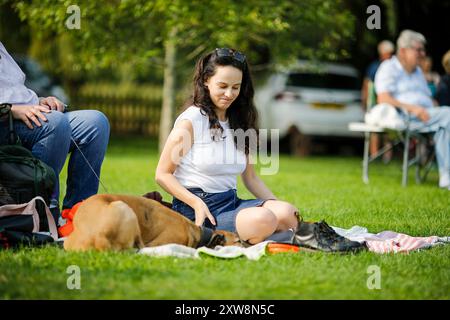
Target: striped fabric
399, 242
389, 241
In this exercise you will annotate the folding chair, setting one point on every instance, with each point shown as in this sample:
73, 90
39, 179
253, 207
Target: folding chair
424, 155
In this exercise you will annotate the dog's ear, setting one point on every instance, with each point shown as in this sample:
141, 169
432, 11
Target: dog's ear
154, 195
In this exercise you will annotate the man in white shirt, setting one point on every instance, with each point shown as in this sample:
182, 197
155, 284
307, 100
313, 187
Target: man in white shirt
400, 82
49, 132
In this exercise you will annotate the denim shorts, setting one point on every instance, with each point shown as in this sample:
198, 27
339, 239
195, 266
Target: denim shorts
224, 206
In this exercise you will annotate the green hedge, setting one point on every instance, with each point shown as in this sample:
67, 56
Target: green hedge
130, 108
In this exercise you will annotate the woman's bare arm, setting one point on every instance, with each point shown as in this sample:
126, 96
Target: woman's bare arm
178, 144
254, 184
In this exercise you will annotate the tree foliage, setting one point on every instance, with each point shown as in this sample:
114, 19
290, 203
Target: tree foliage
133, 31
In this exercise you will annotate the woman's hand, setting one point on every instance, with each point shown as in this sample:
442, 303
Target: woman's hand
202, 212
29, 113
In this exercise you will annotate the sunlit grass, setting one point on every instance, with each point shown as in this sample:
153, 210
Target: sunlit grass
327, 188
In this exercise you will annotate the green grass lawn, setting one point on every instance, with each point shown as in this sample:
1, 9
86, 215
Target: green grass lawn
327, 188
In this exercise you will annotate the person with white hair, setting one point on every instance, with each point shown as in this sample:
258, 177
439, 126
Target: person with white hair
400, 82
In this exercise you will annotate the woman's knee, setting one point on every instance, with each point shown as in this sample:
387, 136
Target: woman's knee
265, 218
256, 224
286, 213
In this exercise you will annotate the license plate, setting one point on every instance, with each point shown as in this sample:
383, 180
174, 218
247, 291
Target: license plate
336, 106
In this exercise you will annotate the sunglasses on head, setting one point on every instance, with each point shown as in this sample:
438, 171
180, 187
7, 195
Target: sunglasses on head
226, 52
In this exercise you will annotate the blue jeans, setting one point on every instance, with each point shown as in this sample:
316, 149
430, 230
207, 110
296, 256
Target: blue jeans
224, 206
52, 143
440, 123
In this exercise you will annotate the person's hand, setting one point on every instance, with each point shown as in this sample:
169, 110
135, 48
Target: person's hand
202, 212
52, 103
420, 112
29, 114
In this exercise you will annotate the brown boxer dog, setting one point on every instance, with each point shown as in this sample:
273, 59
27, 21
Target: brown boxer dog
120, 222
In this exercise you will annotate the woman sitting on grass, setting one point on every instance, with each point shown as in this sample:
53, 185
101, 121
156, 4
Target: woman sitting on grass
205, 152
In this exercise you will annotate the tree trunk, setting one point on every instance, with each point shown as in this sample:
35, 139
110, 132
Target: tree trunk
299, 144
169, 94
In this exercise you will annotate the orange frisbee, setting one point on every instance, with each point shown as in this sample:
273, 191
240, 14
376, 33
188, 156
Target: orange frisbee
275, 247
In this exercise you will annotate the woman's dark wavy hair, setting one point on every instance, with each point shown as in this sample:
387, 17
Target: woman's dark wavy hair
242, 113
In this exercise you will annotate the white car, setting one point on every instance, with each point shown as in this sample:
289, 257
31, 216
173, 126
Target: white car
310, 100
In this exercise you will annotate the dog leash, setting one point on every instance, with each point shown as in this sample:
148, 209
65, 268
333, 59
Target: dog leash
66, 109
87, 161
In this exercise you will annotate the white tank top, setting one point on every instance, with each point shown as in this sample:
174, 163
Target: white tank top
210, 165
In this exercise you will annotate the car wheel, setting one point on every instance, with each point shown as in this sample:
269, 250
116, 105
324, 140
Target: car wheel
299, 144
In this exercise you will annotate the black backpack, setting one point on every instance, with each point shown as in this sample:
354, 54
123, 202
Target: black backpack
22, 178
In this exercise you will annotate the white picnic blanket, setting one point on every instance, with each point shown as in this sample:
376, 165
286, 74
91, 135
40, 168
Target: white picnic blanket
229, 252
383, 242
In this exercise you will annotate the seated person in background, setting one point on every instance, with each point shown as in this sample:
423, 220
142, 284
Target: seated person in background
432, 77
443, 89
401, 83
385, 51
47, 130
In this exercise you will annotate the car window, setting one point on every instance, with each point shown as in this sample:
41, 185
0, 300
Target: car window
323, 81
